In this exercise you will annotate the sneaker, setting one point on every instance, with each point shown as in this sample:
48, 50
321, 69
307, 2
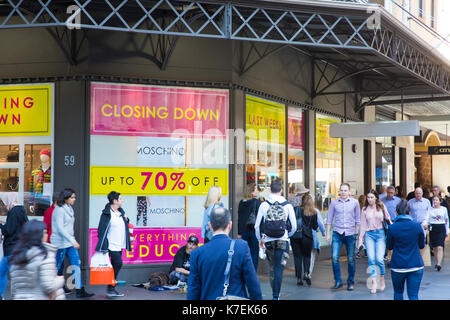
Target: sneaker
67, 291
114, 294
358, 255
81, 293
181, 284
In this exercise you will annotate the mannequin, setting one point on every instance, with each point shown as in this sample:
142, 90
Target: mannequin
39, 177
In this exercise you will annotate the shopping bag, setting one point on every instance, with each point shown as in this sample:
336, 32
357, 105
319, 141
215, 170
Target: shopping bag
426, 255
101, 270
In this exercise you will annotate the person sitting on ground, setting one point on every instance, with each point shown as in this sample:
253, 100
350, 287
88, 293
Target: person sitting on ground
179, 270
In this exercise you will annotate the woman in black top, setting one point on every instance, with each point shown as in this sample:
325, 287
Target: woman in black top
302, 248
247, 212
16, 218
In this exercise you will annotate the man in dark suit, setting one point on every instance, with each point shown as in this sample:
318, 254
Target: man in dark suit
208, 262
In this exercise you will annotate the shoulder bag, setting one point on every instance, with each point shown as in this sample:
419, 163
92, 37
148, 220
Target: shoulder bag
252, 216
299, 232
227, 276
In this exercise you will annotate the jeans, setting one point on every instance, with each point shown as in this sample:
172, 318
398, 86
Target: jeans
412, 279
74, 260
176, 276
253, 244
116, 262
4, 268
276, 252
375, 247
336, 244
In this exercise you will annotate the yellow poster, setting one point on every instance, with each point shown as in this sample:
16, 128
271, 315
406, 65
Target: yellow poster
25, 110
265, 120
156, 181
324, 143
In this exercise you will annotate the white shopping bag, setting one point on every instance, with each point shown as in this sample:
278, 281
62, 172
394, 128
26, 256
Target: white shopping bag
101, 270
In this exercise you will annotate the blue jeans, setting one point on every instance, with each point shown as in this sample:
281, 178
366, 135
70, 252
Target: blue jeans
375, 247
253, 244
276, 251
336, 244
74, 260
4, 268
412, 279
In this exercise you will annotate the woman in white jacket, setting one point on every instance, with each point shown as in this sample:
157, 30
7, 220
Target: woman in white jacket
33, 266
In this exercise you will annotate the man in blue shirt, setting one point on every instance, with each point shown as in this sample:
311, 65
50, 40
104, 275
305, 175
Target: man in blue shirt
391, 201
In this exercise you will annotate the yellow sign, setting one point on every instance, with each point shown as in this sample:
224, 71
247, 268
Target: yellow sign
156, 181
25, 110
265, 120
324, 143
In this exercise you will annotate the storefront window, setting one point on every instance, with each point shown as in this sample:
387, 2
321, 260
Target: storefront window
384, 162
328, 163
161, 148
26, 145
265, 142
296, 143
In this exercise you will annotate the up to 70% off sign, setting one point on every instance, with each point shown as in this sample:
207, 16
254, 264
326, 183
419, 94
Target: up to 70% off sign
162, 181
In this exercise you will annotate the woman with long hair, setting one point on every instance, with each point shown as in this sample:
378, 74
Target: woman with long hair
16, 218
33, 266
373, 235
212, 201
247, 212
302, 248
437, 220
63, 237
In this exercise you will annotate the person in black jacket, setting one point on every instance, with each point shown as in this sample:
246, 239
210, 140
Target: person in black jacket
247, 211
16, 218
302, 248
113, 236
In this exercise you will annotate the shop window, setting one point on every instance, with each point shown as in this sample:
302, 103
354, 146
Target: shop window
328, 163
265, 142
296, 154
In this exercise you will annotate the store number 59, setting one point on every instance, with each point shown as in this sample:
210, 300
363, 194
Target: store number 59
69, 161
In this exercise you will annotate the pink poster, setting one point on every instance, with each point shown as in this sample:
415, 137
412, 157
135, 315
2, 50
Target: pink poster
146, 111
151, 245
295, 130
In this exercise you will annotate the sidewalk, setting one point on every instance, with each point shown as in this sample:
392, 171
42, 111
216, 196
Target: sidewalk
434, 286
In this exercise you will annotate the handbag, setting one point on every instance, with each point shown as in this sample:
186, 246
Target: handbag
226, 282
386, 224
299, 232
252, 217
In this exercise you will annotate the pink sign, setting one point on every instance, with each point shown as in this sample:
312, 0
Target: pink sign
295, 130
132, 110
151, 245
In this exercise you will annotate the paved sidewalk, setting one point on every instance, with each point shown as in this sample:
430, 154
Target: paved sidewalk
435, 285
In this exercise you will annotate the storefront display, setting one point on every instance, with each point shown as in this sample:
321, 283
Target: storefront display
265, 142
384, 159
152, 145
26, 143
328, 163
296, 142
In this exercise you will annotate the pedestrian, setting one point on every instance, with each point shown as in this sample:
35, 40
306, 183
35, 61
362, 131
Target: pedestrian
48, 217
419, 207
302, 247
15, 219
436, 191
399, 192
209, 262
247, 211
316, 244
390, 202
275, 211
296, 194
344, 217
411, 195
113, 236
383, 192
212, 201
373, 235
361, 201
437, 221
405, 238
180, 269
33, 266
63, 238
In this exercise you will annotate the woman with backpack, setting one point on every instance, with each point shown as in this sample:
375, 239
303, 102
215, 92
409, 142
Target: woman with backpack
247, 211
212, 201
303, 240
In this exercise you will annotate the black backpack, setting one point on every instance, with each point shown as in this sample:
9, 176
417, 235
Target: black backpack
275, 221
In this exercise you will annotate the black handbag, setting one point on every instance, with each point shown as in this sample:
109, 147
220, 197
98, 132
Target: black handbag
386, 224
299, 232
252, 217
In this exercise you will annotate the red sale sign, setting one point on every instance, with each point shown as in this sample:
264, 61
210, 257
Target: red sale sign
148, 111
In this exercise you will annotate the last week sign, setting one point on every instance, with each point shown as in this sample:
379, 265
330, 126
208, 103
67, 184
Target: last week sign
25, 110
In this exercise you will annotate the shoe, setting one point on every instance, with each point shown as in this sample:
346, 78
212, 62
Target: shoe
358, 255
81, 293
113, 293
373, 289
181, 284
337, 285
438, 268
307, 279
67, 291
382, 283
350, 287
299, 282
